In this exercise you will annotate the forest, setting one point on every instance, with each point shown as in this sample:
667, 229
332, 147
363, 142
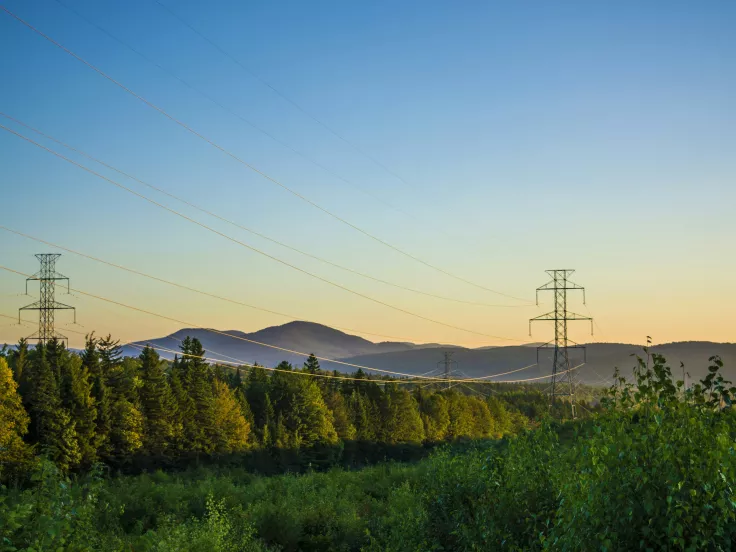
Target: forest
104, 452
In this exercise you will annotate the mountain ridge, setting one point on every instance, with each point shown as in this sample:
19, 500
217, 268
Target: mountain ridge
419, 358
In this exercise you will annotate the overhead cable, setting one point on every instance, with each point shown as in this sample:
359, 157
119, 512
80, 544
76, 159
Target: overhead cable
252, 167
247, 246
249, 230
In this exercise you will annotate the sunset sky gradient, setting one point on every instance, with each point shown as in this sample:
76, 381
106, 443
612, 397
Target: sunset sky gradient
528, 136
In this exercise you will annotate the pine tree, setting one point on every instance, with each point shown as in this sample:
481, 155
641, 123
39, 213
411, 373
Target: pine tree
123, 383
199, 429
247, 414
77, 399
267, 434
126, 436
110, 353
51, 425
100, 394
55, 352
362, 417
309, 420
231, 428
312, 364
257, 387
181, 404
14, 453
156, 402
337, 405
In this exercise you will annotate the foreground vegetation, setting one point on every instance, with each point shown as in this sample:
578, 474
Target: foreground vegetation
654, 470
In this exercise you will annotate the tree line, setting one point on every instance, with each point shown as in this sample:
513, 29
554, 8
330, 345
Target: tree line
79, 409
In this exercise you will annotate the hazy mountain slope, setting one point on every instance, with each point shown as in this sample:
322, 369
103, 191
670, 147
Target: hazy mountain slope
602, 359
418, 359
297, 336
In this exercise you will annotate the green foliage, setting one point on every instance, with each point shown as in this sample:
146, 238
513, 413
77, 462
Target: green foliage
157, 403
55, 514
400, 417
14, 453
51, 425
658, 469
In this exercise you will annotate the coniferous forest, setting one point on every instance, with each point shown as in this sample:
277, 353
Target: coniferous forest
104, 452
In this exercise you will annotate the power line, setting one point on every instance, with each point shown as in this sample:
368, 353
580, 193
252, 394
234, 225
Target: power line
507, 373
185, 287
239, 363
248, 165
243, 244
230, 110
279, 93
249, 230
239, 338
540, 377
434, 380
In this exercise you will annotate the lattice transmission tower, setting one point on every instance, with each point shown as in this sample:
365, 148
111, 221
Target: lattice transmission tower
448, 363
47, 303
563, 378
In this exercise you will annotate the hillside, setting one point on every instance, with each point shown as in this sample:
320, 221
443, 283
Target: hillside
420, 358
602, 358
298, 336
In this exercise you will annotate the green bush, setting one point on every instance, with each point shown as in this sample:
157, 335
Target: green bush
657, 472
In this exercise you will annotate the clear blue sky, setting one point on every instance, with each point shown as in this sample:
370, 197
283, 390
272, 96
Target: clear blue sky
597, 136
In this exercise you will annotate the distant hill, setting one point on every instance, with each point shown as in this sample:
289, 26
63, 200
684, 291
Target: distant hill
602, 359
297, 336
412, 358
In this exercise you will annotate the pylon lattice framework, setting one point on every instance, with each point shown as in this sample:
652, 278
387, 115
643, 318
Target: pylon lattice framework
563, 380
448, 363
47, 304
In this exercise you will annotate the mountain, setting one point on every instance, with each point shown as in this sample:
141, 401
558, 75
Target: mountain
602, 359
412, 358
296, 336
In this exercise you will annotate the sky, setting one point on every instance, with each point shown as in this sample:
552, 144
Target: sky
492, 140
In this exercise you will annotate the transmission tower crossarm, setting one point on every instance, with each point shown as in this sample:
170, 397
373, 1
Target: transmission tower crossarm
560, 285
47, 304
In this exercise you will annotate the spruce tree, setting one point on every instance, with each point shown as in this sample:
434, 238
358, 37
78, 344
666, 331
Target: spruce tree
123, 383
361, 413
312, 364
199, 428
337, 405
181, 404
156, 403
100, 394
55, 352
77, 399
308, 419
257, 387
51, 425
110, 353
